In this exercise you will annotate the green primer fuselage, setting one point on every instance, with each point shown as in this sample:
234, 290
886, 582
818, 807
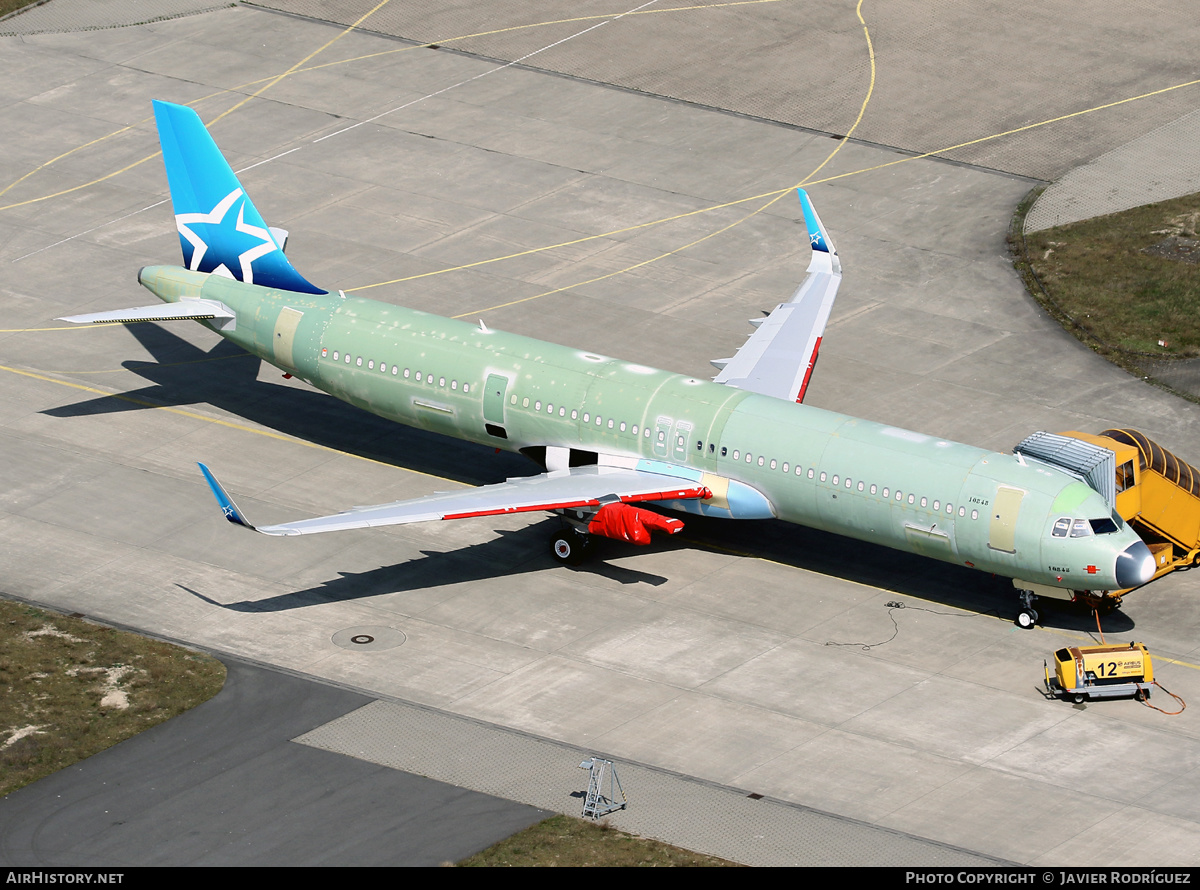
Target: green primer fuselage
761, 456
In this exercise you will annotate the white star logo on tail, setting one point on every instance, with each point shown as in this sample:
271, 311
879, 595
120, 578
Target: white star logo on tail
245, 259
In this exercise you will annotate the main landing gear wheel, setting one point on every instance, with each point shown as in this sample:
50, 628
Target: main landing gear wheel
569, 547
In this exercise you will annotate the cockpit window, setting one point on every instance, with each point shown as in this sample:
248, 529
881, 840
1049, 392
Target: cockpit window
1103, 526
1061, 527
1081, 528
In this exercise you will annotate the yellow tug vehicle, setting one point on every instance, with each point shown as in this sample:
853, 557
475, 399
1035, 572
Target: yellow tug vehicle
1157, 494
1093, 672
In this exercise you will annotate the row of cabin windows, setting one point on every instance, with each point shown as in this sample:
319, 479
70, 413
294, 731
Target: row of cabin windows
1062, 527
847, 482
419, 376
588, 417
1081, 526
394, 370
749, 458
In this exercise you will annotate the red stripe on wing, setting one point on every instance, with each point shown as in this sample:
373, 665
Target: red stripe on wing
812, 363
698, 492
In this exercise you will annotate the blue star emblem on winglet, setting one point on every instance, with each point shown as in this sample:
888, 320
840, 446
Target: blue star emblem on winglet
224, 501
817, 238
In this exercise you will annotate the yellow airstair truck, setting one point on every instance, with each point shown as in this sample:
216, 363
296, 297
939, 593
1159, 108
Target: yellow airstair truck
1157, 494
1148, 487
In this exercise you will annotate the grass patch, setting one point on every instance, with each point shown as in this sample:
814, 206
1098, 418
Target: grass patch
7, 6
70, 688
564, 841
1123, 282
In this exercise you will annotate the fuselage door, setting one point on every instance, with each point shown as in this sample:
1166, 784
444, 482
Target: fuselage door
494, 392
662, 436
683, 434
1002, 530
285, 336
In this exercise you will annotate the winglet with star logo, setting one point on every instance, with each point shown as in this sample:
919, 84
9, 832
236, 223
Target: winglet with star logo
779, 357
220, 229
818, 238
228, 507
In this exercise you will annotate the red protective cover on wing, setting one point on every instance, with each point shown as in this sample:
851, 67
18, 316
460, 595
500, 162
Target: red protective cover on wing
627, 523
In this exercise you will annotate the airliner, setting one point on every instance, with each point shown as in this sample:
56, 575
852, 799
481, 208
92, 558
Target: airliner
610, 435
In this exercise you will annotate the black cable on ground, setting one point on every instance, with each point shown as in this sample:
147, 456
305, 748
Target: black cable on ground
892, 606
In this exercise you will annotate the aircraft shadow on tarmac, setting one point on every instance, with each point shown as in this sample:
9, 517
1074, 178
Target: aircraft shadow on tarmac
514, 553
226, 378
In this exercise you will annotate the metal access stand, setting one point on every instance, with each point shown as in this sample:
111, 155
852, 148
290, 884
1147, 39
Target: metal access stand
602, 800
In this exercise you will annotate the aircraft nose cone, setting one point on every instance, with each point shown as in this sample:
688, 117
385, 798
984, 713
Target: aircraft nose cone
1135, 566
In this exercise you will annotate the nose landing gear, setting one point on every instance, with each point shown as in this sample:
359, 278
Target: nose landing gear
1028, 615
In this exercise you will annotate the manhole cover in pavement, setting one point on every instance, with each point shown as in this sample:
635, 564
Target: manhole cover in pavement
372, 638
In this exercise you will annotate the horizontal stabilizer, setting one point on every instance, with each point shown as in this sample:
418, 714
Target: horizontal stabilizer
579, 488
184, 310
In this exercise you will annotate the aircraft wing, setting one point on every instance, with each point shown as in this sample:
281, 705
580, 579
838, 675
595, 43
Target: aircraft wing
778, 358
584, 488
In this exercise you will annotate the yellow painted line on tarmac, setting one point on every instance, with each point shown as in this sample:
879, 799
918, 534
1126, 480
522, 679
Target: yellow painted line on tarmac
776, 194
298, 69
274, 80
270, 83
66, 327
774, 197
981, 139
1186, 664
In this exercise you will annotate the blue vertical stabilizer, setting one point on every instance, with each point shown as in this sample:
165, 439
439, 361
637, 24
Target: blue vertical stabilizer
220, 229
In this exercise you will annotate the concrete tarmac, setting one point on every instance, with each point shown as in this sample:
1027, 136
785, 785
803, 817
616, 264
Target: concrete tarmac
224, 785
758, 658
